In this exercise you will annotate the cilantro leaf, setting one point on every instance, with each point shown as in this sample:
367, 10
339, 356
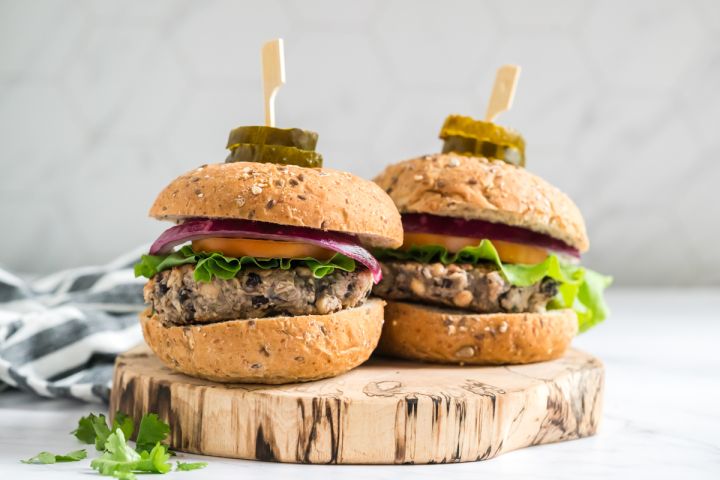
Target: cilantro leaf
119, 459
47, 457
94, 428
151, 432
85, 431
122, 461
186, 467
42, 457
125, 423
121, 475
102, 432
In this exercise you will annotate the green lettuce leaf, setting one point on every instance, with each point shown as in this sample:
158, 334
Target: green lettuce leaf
211, 265
580, 289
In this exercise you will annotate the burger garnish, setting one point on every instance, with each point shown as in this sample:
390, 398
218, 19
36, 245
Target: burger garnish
449, 227
279, 246
468, 136
264, 135
286, 146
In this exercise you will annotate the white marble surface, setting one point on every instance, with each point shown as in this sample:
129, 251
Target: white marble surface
661, 420
103, 102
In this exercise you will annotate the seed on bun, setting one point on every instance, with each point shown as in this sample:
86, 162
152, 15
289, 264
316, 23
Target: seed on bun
319, 198
432, 334
454, 185
279, 349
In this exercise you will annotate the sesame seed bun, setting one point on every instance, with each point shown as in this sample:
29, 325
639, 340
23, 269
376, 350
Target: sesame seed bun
421, 332
477, 188
317, 198
269, 350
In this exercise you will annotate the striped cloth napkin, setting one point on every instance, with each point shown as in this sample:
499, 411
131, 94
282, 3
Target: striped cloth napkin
59, 334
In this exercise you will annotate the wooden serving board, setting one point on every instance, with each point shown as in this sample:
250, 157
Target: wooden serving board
384, 412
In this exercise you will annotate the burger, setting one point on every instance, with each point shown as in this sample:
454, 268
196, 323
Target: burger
489, 270
266, 275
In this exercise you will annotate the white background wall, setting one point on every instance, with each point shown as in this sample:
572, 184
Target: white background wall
103, 102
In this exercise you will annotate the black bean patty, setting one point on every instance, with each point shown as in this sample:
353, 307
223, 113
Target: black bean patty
254, 293
478, 288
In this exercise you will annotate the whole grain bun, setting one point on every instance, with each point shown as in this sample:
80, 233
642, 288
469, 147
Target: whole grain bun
284, 194
269, 350
419, 332
453, 185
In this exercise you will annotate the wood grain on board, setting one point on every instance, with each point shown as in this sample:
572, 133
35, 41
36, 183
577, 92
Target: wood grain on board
384, 412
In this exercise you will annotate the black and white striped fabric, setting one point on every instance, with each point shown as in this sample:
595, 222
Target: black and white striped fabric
59, 334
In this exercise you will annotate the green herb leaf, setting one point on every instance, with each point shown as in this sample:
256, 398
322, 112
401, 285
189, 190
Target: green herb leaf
93, 429
85, 432
186, 467
125, 423
102, 432
122, 461
151, 432
41, 458
211, 265
580, 289
121, 475
48, 458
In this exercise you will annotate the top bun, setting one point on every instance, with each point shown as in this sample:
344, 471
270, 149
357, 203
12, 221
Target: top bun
319, 198
453, 185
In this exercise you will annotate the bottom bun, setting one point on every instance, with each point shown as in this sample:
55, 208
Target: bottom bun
420, 332
269, 350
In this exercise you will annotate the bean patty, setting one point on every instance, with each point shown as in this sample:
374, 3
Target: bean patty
254, 293
478, 288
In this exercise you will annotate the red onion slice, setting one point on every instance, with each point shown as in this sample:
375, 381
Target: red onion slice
196, 229
424, 223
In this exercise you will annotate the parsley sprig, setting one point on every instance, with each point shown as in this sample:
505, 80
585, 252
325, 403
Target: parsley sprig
119, 459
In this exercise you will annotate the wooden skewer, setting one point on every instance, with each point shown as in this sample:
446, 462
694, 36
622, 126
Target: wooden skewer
503, 91
273, 68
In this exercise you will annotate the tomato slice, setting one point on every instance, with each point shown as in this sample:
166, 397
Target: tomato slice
509, 252
250, 247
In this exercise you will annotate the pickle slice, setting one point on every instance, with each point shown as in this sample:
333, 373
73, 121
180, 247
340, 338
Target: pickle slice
467, 135
248, 152
472, 146
288, 137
